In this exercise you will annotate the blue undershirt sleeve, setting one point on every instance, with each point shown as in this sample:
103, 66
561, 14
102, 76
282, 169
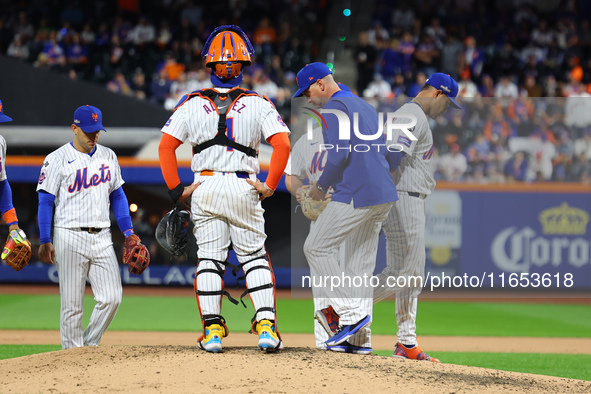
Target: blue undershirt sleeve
44, 214
5, 196
121, 210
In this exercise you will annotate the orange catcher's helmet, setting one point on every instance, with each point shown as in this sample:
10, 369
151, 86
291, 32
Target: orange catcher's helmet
227, 50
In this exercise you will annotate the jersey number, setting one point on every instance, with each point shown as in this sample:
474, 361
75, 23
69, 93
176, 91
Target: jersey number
230, 131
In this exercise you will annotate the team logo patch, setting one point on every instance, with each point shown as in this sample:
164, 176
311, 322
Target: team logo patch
281, 122
94, 116
42, 177
45, 164
404, 141
427, 155
168, 122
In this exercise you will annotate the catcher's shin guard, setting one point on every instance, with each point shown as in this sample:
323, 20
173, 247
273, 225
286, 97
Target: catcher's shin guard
212, 318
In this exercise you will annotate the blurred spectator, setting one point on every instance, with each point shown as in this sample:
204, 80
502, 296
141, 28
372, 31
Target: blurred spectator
377, 88
378, 36
473, 57
160, 87
119, 84
192, 13
24, 28
365, 57
453, 165
417, 85
451, 51
52, 50
531, 86
578, 111
487, 87
516, 167
391, 61
403, 18
140, 88
581, 168
407, 48
77, 52
506, 88
263, 85
427, 55
87, 35
18, 49
143, 33
466, 88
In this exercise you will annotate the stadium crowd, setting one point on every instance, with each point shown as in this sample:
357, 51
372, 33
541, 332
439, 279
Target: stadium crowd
524, 73
504, 54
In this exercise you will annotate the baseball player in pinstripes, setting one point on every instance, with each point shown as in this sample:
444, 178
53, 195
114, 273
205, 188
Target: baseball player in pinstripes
405, 226
363, 195
224, 126
8, 211
82, 179
307, 160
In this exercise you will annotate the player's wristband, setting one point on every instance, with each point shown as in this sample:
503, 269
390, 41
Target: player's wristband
176, 193
268, 188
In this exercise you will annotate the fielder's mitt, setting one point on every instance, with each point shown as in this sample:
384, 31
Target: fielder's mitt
135, 255
17, 251
311, 208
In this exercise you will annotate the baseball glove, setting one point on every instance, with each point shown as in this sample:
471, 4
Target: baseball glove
135, 255
17, 251
311, 208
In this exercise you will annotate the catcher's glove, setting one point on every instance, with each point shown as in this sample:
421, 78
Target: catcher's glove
17, 251
310, 207
173, 231
135, 255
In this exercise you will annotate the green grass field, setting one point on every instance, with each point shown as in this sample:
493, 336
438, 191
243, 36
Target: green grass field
41, 312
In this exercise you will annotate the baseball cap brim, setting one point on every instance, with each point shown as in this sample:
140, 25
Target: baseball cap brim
302, 89
93, 128
454, 103
4, 118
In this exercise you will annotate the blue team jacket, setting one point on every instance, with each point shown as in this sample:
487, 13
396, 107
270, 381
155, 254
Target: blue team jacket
361, 176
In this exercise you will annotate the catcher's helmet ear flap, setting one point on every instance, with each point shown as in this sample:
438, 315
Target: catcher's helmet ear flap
227, 50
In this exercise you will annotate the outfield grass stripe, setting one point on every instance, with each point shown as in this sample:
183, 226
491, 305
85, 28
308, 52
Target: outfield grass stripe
41, 312
551, 364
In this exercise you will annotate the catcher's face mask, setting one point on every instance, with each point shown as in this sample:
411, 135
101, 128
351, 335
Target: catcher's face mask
172, 233
227, 50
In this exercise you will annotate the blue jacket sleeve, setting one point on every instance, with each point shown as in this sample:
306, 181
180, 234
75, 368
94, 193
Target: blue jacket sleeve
5, 196
394, 159
44, 214
121, 210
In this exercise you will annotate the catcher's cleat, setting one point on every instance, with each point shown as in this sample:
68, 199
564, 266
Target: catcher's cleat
412, 353
346, 347
328, 319
346, 332
212, 342
269, 341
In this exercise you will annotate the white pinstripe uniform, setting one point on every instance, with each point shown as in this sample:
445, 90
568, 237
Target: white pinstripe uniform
225, 208
307, 160
81, 184
405, 226
2, 159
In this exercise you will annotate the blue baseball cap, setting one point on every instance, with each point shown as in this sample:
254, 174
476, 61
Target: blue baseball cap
447, 85
310, 74
4, 118
89, 119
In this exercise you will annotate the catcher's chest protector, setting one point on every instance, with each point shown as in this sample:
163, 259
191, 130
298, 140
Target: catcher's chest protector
219, 100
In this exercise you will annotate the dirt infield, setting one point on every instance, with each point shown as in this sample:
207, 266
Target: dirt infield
155, 362
174, 369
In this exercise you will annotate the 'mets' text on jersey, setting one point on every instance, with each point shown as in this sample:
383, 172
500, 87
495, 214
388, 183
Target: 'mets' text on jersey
248, 117
81, 184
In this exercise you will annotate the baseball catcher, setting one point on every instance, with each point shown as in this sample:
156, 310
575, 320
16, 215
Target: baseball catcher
17, 251
135, 255
310, 207
172, 232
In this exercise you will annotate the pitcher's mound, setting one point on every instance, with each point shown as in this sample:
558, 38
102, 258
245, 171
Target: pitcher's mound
177, 369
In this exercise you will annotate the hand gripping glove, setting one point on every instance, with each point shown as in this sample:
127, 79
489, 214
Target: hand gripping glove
311, 208
17, 251
135, 255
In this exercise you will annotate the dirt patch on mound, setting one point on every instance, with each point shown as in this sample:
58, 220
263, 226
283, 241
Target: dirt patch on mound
247, 370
